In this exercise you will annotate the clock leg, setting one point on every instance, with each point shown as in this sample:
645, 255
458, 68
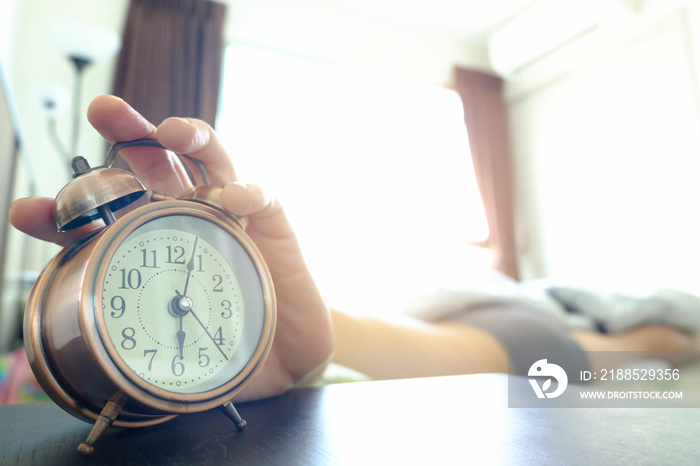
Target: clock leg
232, 414
107, 416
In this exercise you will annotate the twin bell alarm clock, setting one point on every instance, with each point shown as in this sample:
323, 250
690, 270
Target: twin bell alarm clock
167, 309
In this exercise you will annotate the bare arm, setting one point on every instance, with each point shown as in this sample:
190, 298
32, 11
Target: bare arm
403, 347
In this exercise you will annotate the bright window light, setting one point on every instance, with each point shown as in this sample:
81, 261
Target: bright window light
375, 174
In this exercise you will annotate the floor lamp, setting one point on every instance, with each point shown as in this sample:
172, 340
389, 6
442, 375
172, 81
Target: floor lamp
82, 44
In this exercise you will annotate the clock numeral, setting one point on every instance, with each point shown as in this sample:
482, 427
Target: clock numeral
203, 358
130, 280
218, 337
152, 263
129, 342
227, 312
199, 268
218, 280
119, 305
152, 352
177, 367
178, 252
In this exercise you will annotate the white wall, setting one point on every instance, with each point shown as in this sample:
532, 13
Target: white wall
607, 159
7, 15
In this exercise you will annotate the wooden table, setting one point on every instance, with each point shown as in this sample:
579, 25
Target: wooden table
433, 421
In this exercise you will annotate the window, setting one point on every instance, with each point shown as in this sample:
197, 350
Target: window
374, 173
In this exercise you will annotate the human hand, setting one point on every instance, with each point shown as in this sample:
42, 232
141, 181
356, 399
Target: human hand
303, 341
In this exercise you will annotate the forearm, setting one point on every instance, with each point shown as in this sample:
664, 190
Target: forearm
403, 347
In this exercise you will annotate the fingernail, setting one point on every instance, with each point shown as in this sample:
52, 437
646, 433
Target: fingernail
18, 201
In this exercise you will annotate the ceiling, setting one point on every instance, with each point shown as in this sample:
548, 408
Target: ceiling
464, 20
423, 39
372, 32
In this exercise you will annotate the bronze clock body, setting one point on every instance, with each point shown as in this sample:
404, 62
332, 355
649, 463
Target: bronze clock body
170, 309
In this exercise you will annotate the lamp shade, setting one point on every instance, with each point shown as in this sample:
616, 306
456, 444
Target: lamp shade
85, 41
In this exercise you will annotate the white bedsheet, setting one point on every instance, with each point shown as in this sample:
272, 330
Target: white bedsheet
578, 307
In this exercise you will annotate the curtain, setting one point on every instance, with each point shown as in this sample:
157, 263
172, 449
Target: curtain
171, 59
486, 119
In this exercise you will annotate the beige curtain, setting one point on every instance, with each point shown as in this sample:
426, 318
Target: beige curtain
171, 60
486, 119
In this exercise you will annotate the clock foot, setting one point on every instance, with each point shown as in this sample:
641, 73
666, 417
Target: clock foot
232, 414
107, 416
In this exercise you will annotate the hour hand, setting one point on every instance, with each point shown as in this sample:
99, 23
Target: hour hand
180, 338
178, 307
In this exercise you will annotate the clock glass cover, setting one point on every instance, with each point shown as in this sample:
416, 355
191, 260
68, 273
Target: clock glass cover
181, 305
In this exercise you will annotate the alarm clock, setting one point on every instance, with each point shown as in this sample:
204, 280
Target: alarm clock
167, 309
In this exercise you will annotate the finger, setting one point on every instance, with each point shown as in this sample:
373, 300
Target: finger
35, 217
116, 121
264, 212
197, 139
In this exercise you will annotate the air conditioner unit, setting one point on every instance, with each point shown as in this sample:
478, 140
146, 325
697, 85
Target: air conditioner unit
551, 29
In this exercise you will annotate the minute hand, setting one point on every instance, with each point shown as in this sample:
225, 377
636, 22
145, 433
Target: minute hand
208, 334
190, 266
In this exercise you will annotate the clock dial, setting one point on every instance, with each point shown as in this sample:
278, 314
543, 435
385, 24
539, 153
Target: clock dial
181, 304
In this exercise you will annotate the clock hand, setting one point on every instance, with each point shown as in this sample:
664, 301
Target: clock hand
208, 334
184, 304
178, 307
190, 266
180, 338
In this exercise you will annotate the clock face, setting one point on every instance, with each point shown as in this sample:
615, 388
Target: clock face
182, 305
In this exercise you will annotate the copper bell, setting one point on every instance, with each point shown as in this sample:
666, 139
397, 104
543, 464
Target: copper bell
94, 193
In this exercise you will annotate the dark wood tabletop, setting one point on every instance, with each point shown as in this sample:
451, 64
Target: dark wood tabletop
434, 421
